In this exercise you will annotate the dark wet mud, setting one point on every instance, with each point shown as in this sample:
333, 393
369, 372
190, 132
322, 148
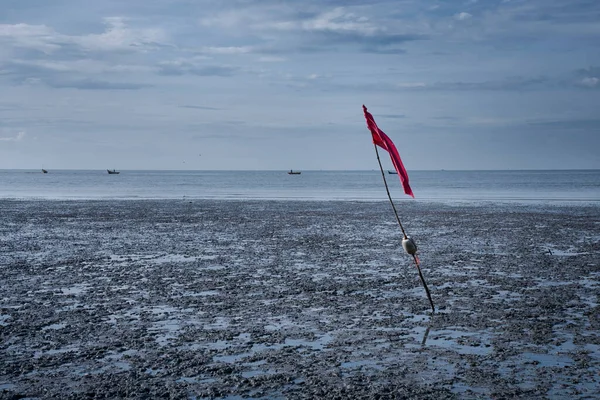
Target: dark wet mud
298, 300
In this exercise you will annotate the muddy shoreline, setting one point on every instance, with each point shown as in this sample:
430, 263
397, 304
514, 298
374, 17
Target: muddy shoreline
283, 299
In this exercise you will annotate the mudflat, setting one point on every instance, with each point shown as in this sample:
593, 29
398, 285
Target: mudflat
297, 299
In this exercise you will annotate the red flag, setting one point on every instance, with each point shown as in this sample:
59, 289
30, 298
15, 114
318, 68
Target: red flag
382, 140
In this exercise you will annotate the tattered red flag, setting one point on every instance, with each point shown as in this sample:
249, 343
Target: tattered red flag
382, 140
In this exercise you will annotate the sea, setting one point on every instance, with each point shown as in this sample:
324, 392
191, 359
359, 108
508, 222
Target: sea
524, 186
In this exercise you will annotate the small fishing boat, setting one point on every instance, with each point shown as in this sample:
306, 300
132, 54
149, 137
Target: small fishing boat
113, 171
44, 171
392, 172
292, 172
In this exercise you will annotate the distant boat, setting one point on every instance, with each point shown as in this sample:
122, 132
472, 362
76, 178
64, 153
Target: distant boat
44, 171
292, 172
112, 172
393, 172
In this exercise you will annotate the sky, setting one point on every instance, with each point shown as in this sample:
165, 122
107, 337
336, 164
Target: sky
279, 85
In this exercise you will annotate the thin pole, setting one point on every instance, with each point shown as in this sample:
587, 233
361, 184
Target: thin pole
388, 192
423, 282
403, 231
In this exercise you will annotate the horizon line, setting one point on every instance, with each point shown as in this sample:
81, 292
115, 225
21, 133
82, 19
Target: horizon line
302, 170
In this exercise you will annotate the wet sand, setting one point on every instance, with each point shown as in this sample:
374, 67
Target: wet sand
267, 299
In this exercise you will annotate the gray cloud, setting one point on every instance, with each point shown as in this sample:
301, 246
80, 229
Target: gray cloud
588, 78
516, 83
312, 28
58, 122
12, 107
590, 71
93, 84
383, 50
199, 107
16, 138
392, 116
118, 36
369, 43
591, 125
327, 41
446, 118
575, 11
58, 76
188, 68
515, 25
508, 84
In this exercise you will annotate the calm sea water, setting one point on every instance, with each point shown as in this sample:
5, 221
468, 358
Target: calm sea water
445, 186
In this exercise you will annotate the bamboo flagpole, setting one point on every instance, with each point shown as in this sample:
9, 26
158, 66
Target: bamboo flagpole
382, 140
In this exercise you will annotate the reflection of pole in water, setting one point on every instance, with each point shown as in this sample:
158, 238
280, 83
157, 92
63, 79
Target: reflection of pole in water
425, 335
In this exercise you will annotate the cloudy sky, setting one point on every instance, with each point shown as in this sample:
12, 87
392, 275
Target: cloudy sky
274, 84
